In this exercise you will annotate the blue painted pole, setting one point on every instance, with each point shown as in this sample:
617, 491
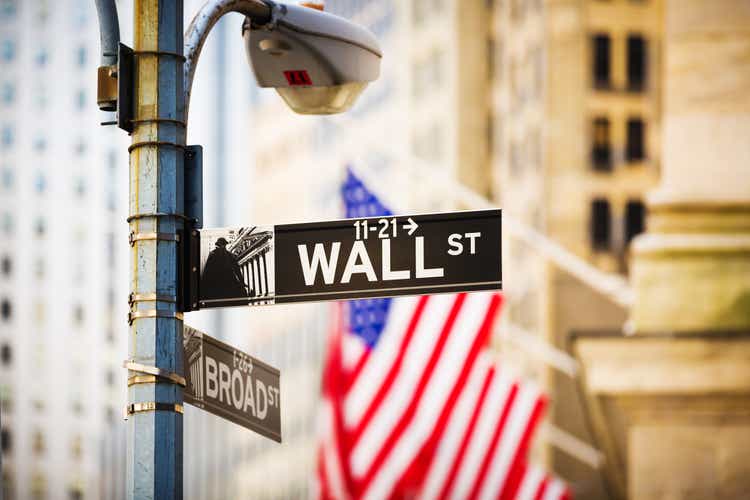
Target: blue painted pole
154, 460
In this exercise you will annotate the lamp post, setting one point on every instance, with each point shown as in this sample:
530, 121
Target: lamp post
319, 63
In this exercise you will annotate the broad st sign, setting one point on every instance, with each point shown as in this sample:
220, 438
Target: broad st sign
231, 384
351, 259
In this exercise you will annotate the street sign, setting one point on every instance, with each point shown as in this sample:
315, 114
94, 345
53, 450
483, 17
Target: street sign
350, 259
231, 384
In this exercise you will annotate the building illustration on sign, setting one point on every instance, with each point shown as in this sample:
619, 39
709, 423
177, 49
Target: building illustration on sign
237, 264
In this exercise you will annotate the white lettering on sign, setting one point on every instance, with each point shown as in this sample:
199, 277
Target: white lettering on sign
422, 272
319, 260
242, 362
389, 274
212, 386
457, 248
235, 387
359, 262
359, 252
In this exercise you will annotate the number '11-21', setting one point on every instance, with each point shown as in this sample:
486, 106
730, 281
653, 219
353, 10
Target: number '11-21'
385, 228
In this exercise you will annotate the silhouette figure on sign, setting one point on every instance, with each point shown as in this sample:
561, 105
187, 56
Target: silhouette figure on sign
222, 277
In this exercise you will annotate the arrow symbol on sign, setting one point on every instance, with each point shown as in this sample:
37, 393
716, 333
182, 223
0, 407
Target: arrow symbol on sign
411, 226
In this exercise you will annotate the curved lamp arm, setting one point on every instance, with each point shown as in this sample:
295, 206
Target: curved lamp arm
258, 11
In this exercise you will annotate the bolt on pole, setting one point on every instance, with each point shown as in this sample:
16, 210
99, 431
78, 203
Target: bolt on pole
154, 446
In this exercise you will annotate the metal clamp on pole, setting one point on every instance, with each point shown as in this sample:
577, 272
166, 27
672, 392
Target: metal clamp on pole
150, 297
154, 313
158, 53
166, 144
152, 406
157, 215
153, 371
153, 236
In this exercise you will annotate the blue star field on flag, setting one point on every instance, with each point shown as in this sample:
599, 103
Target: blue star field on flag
367, 317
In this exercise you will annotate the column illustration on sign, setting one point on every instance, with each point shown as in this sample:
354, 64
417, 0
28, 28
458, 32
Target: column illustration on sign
237, 266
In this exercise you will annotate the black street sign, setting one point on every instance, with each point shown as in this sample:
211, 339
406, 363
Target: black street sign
351, 259
231, 384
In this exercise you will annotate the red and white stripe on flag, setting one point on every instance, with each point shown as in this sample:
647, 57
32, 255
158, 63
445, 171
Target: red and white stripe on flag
424, 413
537, 485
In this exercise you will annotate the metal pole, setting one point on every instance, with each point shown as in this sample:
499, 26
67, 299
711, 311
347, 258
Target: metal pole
154, 467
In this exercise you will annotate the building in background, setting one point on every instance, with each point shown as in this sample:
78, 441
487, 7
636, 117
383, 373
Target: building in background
575, 125
63, 272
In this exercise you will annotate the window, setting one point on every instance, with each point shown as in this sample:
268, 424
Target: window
7, 50
6, 266
7, 177
635, 149
40, 183
8, 136
635, 219
5, 439
7, 224
40, 227
41, 97
78, 315
637, 62
601, 61
110, 378
600, 225
40, 313
424, 9
111, 253
428, 144
6, 354
40, 143
7, 9
38, 443
428, 74
79, 187
6, 398
80, 13
42, 11
601, 151
42, 57
81, 56
6, 310
38, 486
8, 488
8, 93
76, 447
39, 268
81, 99
80, 147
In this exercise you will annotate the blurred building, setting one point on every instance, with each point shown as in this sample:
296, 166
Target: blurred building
575, 126
63, 267
668, 402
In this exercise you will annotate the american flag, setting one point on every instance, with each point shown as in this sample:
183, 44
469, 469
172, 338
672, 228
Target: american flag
537, 485
413, 404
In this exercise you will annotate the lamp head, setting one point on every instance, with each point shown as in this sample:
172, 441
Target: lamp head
319, 63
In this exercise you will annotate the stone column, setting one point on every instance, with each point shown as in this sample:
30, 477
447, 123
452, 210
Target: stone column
691, 270
670, 404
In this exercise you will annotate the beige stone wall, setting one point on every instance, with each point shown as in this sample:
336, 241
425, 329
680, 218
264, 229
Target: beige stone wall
707, 103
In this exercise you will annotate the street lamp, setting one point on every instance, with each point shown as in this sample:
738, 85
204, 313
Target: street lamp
319, 63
